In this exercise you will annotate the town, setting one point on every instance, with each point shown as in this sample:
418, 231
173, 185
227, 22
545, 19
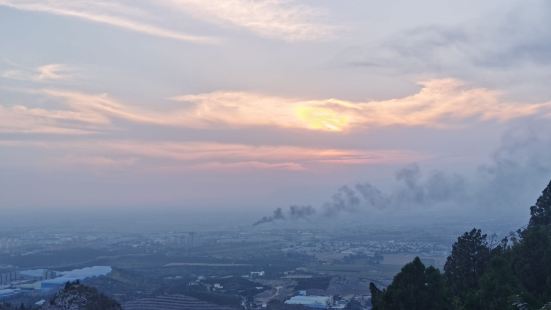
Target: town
242, 268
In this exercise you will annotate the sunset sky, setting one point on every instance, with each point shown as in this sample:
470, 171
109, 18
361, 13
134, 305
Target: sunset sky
258, 104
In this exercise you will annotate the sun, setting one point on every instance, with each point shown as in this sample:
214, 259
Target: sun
322, 118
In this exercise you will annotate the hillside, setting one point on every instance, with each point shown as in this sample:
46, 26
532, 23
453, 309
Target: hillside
480, 273
75, 296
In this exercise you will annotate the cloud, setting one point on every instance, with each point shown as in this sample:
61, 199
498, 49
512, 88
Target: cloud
171, 157
509, 46
53, 72
278, 19
21, 119
44, 73
116, 14
238, 153
96, 161
439, 103
443, 103
248, 165
285, 20
101, 108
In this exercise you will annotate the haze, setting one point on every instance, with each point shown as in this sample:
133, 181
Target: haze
241, 107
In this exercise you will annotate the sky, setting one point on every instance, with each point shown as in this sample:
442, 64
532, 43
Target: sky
254, 105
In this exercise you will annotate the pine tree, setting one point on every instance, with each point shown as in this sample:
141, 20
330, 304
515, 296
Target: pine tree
415, 287
541, 211
466, 264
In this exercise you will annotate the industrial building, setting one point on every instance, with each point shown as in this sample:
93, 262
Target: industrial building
315, 302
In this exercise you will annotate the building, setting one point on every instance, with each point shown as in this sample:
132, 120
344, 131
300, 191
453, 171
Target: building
256, 274
74, 275
315, 302
5, 293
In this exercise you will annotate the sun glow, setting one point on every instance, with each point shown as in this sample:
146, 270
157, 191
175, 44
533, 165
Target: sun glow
322, 119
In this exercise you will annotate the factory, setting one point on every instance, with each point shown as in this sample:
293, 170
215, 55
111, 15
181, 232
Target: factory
314, 302
75, 275
18, 282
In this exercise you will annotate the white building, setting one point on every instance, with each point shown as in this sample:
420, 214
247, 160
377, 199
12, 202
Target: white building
316, 302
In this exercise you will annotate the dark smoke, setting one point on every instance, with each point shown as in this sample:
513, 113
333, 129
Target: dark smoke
415, 190
412, 189
277, 215
345, 200
372, 196
518, 170
294, 212
298, 212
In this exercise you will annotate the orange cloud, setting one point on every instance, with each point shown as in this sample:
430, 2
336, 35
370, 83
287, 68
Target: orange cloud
208, 156
285, 20
21, 119
439, 103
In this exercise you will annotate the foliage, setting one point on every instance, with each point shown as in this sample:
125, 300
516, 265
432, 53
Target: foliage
531, 264
498, 285
77, 296
466, 264
415, 287
514, 275
541, 211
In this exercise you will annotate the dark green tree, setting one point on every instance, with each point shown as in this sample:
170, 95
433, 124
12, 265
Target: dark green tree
498, 285
541, 211
466, 264
514, 274
376, 294
77, 296
415, 287
531, 264
531, 256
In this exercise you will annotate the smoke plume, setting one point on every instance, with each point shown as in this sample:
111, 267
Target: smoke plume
293, 212
516, 173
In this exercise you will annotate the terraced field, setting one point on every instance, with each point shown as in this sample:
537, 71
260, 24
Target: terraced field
172, 302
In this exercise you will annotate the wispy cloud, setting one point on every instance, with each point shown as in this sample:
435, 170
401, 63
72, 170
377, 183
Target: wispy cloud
21, 119
102, 108
439, 104
286, 20
95, 161
507, 46
118, 14
167, 156
53, 72
279, 19
44, 73
221, 153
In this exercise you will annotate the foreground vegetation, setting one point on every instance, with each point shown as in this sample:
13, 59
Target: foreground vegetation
481, 274
72, 297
